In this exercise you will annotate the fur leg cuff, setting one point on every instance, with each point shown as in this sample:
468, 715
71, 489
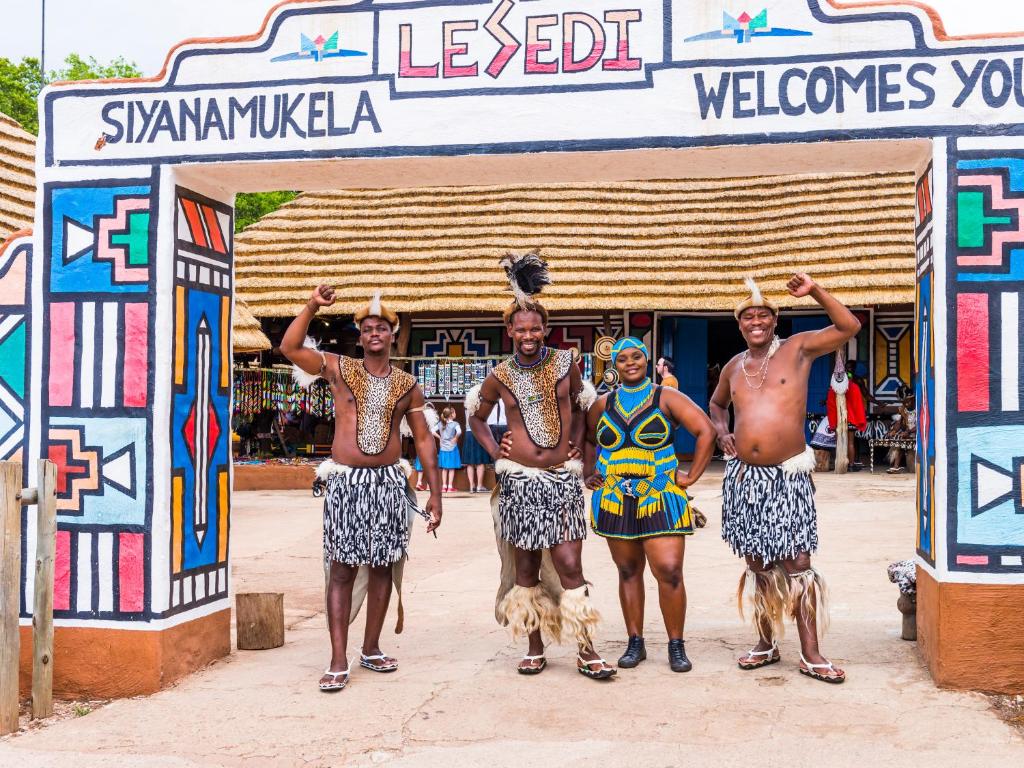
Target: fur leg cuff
520, 610
550, 616
808, 596
579, 616
768, 595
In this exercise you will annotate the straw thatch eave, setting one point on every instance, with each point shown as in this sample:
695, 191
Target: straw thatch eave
246, 334
682, 244
17, 177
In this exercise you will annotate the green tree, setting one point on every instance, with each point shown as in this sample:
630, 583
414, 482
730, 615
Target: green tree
77, 68
19, 86
21, 83
251, 207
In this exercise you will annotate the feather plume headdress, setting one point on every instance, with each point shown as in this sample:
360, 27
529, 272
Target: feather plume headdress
527, 275
756, 299
376, 309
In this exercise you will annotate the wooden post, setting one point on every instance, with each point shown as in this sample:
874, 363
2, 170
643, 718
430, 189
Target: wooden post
42, 612
260, 620
404, 334
10, 593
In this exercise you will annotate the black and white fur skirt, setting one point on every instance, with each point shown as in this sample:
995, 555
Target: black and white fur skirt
539, 508
368, 513
768, 511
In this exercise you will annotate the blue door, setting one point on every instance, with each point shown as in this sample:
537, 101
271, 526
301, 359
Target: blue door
690, 347
821, 369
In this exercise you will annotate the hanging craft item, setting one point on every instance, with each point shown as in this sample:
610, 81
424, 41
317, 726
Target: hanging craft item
444, 380
611, 377
458, 379
603, 347
588, 367
430, 386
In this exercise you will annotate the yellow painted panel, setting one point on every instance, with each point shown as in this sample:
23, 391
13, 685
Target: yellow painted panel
179, 335
223, 516
225, 342
881, 358
177, 500
905, 373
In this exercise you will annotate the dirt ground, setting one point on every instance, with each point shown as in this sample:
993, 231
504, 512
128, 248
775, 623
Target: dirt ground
457, 701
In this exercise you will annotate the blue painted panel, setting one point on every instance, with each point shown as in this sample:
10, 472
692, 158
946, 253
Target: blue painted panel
690, 344
821, 369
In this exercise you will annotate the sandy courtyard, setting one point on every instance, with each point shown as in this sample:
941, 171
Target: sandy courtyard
457, 701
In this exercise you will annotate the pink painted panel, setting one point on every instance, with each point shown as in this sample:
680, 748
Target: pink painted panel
136, 354
131, 584
62, 353
62, 572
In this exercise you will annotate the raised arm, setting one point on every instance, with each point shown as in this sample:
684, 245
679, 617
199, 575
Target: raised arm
489, 394
719, 407
593, 480
426, 449
690, 417
845, 324
292, 343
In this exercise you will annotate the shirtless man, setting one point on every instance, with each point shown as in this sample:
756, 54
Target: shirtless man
538, 503
368, 505
768, 514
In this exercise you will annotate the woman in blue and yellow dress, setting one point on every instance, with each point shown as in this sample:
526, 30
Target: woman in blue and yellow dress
639, 503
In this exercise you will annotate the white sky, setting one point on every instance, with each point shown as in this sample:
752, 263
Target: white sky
143, 30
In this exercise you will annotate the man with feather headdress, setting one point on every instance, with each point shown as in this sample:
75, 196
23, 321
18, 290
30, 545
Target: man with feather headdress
538, 503
768, 513
368, 504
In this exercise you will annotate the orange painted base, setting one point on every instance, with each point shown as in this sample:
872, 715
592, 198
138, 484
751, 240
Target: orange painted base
91, 663
274, 477
970, 634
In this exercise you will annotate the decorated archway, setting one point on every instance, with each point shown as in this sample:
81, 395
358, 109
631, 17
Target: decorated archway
131, 258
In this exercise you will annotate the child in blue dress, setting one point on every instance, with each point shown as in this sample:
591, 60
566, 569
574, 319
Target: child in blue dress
448, 458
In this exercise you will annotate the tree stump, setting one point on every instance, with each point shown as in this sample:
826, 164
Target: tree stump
260, 620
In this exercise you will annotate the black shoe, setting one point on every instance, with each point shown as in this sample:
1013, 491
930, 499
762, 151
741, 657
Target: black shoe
635, 653
677, 656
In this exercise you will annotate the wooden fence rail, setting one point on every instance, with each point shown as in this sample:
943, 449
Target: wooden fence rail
12, 497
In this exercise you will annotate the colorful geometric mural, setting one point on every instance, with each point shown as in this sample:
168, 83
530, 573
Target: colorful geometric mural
986, 424
100, 238
478, 337
924, 370
200, 402
894, 353
15, 262
99, 241
745, 28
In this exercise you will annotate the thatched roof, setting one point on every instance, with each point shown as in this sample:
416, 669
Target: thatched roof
17, 177
676, 244
246, 333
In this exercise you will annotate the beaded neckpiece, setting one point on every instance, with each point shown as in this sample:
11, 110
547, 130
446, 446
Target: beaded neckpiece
630, 400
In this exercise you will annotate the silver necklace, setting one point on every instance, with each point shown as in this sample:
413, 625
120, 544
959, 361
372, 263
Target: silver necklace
762, 372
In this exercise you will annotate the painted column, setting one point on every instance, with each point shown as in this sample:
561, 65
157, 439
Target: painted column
15, 266
131, 344
971, 426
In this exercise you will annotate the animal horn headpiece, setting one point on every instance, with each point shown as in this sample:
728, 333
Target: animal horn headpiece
376, 309
754, 300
